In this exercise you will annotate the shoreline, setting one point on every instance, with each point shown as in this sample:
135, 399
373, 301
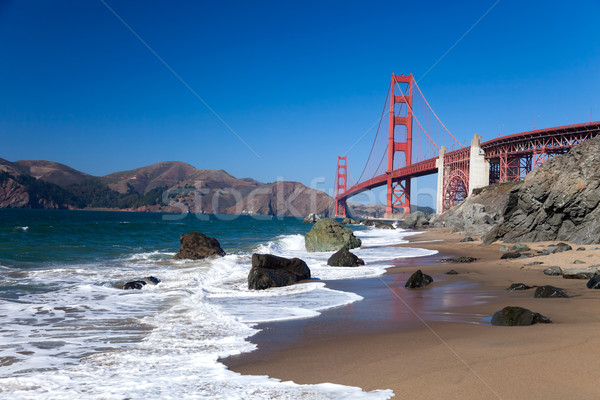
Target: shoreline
435, 342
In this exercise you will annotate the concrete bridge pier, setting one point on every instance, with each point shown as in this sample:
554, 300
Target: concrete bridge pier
439, 206
479, 167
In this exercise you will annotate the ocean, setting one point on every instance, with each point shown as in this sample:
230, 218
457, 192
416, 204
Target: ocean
69, 332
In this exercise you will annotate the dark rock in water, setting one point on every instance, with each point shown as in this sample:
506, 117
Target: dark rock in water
467, 239
518, 316
311, 218
272, 271
350, 221
368, 222
152, 280
559, 200
329, 235
196, 246
343, 258
580, 249
383, 225
464, 259
549, 291
553, 271
417, 280
509, 255
134, 285
594, 283
520, 247
452, 272
139, 284
519, 286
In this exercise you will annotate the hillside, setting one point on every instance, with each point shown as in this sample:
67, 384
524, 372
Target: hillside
170, 186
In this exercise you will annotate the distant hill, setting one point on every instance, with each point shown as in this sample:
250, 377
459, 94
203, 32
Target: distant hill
169, 186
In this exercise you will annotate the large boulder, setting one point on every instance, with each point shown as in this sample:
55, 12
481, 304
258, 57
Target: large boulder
329, 235
417, 280
272, 271
196, 246
558, 201
343, 258
416, 220
518, 316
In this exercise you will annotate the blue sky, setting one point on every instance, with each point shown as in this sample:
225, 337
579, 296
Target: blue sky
299, 82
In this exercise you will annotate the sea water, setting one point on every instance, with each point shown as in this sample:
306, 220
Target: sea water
68, 331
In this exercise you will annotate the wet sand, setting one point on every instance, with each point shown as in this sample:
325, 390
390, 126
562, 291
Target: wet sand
436, 342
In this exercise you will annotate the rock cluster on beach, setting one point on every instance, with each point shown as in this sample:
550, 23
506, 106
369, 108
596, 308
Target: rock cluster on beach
196, 246
329, 235
272, 271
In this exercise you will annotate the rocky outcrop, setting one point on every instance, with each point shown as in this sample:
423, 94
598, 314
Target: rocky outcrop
378, 224
417, 280
343, 258
350, 221
329, 235
557, 201
416, 220
518, 316
272, 271
478, 214
196, 246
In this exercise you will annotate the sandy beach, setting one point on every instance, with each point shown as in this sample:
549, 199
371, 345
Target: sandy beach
436, 342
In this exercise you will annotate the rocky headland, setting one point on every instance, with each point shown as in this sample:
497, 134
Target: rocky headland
558, 201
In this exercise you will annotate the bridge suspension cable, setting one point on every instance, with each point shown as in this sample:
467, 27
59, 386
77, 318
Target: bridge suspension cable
431, 109
375, 140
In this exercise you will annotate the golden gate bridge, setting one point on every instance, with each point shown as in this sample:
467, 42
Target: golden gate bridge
418, 144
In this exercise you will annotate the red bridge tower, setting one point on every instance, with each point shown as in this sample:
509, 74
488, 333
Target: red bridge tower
398, 190
341, 185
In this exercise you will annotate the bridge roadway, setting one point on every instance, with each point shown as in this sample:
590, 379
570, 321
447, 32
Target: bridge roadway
541, 142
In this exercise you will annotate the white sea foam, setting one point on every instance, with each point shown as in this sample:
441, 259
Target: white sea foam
84, 338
